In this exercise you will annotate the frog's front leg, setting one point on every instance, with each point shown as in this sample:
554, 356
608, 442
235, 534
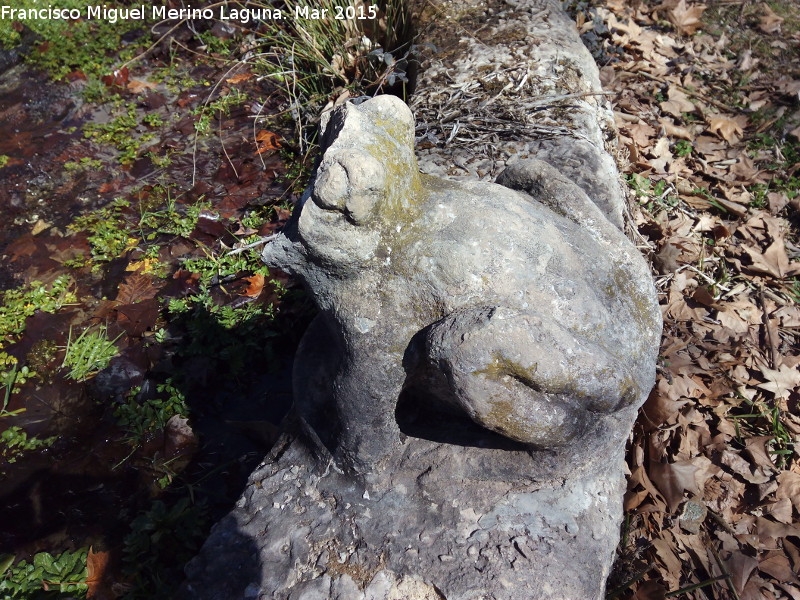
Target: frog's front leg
521, 374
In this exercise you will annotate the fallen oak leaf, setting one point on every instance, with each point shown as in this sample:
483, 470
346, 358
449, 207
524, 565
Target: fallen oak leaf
729, 129
137, 86
256, 285
240, 78
769, 21
686, 18
781, 382
267, 140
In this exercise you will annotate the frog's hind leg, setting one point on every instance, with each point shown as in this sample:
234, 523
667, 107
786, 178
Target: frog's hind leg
547, 185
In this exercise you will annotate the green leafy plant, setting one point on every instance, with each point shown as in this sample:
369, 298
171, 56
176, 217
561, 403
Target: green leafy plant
107, 227
683, 148
217, 109
170, 220
12, 376
140, 419
89, 353
162, 539
14, 442
84, 164
88, 45
655, 196
789, 186
17, 304
45, 576
124, 133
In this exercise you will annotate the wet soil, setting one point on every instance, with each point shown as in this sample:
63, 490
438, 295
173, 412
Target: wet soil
89, 486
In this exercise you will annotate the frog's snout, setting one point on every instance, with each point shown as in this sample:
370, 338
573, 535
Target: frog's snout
352, 182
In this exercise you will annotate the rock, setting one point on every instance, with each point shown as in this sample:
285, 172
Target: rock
518, 306
463, 399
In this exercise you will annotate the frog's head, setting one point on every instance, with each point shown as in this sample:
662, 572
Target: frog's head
367, 182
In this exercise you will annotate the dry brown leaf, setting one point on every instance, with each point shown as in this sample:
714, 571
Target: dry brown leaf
741, 467
240, 78
675, 130
180, 438
741, 566
773, 261
777, 201
769, 22
256, 285
639, 477
628, 26
677, 103
710, 147
665, 549
135, 288
769, 530
789, 487
267, 140
662, 405
686, 18
137, 86
776, 565
642, 134
96, 566
673, 479
781, 382
789, 316
650, 590
728, 128
746, 171
756, 447
781, 510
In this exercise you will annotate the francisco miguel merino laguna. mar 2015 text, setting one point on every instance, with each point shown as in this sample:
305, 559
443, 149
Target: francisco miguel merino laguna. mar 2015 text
142, 12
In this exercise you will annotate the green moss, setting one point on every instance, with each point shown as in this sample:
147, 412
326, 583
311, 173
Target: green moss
504, 419
501, 368
84, 164
108, 231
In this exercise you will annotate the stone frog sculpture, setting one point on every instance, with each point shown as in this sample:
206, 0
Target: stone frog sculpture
515, 305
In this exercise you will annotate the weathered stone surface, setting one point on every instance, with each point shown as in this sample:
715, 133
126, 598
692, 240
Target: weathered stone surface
463, 399
519, 306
